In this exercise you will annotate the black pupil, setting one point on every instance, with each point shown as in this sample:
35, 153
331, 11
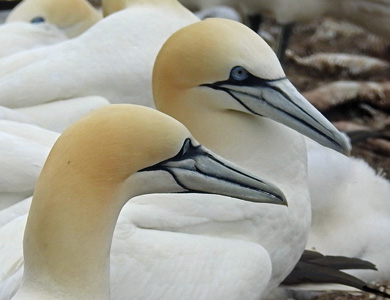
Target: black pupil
239, 73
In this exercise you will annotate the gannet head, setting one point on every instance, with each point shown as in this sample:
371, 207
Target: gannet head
71, 16
136, 150
223, 65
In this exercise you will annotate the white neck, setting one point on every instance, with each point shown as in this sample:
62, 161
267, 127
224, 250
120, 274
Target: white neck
67, 241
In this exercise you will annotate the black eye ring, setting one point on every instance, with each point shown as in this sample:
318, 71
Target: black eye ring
239, 73
37, 20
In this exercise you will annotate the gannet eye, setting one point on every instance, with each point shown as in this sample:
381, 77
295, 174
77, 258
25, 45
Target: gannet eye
239, 73
37, 20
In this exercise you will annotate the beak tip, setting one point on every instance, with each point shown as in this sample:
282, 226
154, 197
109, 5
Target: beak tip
284, 200
279, 196
345, 146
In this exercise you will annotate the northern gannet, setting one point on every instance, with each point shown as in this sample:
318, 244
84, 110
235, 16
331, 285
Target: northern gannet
113, 59
71, 16
81, 191
225, 90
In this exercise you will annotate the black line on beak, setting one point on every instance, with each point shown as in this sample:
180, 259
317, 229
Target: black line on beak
253, 81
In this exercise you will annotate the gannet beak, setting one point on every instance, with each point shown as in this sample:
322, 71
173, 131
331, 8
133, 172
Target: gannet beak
279, 100
196, 169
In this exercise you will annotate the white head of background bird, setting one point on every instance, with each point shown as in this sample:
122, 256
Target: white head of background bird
71, 16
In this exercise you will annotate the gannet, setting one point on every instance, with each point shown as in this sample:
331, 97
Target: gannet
71, 16
113, 59
81, 191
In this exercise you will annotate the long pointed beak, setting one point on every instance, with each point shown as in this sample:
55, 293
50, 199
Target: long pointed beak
196, 169
279, 100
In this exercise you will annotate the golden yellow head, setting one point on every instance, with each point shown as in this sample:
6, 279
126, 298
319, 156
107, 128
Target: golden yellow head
112, 143
207, 51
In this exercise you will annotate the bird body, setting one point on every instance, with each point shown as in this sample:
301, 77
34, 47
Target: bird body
23, 152
25, 144
58, 115
13, 115
220, 11
349, 200
20, 36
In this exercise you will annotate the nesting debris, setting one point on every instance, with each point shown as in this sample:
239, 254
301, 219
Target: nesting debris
337, 93
331, 29
335, 33
384, 287
334, 64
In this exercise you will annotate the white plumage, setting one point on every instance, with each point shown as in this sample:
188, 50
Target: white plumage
20, 36
24, 148
350, 207
113, 59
